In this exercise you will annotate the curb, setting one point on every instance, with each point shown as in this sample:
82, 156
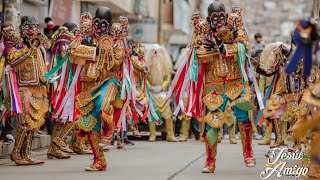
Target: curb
39, 142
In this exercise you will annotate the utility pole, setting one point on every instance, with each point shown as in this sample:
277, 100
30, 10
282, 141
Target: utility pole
160, 34
11, 13
316, 9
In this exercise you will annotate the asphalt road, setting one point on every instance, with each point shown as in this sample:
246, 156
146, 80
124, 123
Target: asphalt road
145, 161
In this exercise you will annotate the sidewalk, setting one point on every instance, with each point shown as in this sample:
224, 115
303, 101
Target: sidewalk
38, 142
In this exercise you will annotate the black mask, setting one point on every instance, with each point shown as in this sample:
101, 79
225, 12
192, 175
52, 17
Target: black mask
102, 21
216, 15
72, 27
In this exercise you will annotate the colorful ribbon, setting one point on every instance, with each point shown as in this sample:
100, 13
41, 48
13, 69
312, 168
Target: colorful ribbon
16, 103
259, 117
194, 66
153, 115
60, 61
243, 55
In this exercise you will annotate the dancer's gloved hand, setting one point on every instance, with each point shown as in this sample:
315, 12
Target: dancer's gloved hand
212, 44
86, 43
235, 32
254, 62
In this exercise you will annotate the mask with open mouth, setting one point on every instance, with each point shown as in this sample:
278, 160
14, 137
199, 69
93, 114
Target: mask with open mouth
29, 26
102, 21
216, 15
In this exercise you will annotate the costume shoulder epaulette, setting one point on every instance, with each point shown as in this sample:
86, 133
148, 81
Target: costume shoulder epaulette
119, 30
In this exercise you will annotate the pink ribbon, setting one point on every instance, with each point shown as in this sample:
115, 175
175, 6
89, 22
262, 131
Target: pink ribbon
16, 104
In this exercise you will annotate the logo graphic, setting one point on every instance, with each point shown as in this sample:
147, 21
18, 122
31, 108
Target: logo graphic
278, 164
138, 31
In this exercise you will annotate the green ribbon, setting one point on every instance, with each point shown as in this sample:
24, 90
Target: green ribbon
60, 62
153, 111
194, 67
213, 135
54, 80
266, 97
242, 56
71, 75
126, 86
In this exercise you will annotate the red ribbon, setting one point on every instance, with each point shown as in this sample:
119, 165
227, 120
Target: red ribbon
134, 115
197, 108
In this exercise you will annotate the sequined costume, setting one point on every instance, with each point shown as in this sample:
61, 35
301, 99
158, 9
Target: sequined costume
142, 100
264, 84
140, 75
283, 94
25, 54
213, 74
104, 58
307, 129
185, 120
80, 145
158, 79
137, 110
306, 39
63, 91
309, 126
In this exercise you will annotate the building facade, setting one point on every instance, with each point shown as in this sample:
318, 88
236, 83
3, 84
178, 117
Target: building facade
167, 21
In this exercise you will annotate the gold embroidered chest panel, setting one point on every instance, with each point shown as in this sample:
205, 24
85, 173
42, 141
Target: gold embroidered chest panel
32, 70
223, 68
107, 62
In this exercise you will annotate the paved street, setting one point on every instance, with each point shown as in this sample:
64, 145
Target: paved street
160, 160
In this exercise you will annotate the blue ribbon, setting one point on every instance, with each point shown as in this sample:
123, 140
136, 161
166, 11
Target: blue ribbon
242, 57
194, 67
154, 115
